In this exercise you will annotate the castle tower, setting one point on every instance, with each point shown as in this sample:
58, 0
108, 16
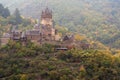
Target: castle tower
47, 29
46, 18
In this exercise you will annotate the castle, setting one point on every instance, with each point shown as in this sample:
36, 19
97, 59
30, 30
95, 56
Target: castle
43, 32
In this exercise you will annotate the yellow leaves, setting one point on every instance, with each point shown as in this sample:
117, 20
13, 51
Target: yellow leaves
117, 54
79, 37
98, 45
82, 73
82, 68
23, 77
61, 29
60, 34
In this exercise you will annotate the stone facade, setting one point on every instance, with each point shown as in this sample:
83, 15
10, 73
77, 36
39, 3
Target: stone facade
47, 27
5, 39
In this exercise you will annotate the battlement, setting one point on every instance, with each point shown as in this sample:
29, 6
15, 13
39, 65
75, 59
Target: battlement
46, 14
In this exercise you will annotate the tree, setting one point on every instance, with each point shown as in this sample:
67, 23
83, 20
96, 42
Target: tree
18, 17
23, 77
6, 13
1, 9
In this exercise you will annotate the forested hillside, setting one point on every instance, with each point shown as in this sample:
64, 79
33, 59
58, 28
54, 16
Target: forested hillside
32, 62
97, 19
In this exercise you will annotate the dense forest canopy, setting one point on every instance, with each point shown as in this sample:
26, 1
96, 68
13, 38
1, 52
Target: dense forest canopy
33, 62
97, 19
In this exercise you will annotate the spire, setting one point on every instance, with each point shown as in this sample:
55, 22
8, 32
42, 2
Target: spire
47, 13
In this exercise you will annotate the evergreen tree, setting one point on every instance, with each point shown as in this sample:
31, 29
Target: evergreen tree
18, 17
6, 13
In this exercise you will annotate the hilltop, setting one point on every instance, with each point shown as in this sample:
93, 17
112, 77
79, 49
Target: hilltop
98, 20
21, 58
